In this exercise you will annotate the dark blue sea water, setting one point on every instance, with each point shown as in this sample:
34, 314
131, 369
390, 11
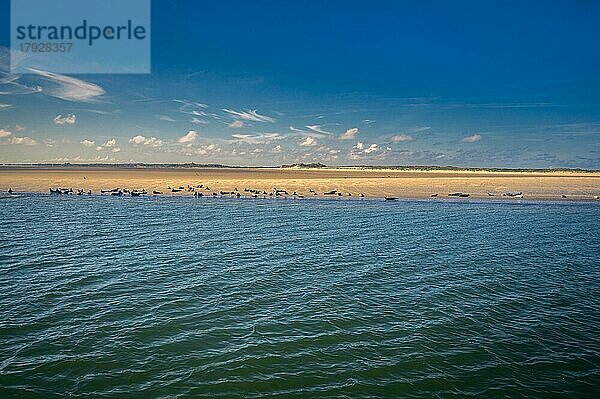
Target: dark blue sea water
180, 297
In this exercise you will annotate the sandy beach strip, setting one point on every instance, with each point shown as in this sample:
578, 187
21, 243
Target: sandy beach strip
554, 185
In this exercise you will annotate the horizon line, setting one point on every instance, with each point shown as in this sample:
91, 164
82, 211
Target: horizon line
184, 165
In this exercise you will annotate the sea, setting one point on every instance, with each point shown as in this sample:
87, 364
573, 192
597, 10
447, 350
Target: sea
176, 297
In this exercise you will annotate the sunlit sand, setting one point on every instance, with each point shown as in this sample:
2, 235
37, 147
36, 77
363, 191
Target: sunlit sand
353, 182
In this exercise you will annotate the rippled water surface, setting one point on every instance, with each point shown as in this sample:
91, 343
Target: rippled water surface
176, 297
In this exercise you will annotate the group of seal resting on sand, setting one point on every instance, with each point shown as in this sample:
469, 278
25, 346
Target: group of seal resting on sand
200, 190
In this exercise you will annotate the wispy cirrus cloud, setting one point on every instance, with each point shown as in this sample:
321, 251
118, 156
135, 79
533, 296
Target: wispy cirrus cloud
198, 111
236, 124
198, 121
399, 138
164, 118
188, 106
262, 138
68, 88
251, 115
17, 89
296, 130
318, 129
11, 86
499, 105
309, 132
472, 139
103, 112
10, 83
419, 129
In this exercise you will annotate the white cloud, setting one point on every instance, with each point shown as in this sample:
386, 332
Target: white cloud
198, 121
188, 106
371, 148
22, 141
109, 145
4, 133
236, 124
276, 149
137, 139
308, 142
313, 131
68, 88
101, 112
251, 115
9, 82
190, 137
196, 110
87, 143
19, 128
4, 106
149, 142
349, 134
361, 150
61, 120
472, 139
262, 138
52, 142
295, 130
79, 158
203, 150
165, 118
317, 128
419, 129
399, 138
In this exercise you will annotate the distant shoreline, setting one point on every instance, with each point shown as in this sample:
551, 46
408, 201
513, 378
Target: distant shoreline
397, 168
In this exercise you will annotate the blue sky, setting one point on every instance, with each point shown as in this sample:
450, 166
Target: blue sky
495, 84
